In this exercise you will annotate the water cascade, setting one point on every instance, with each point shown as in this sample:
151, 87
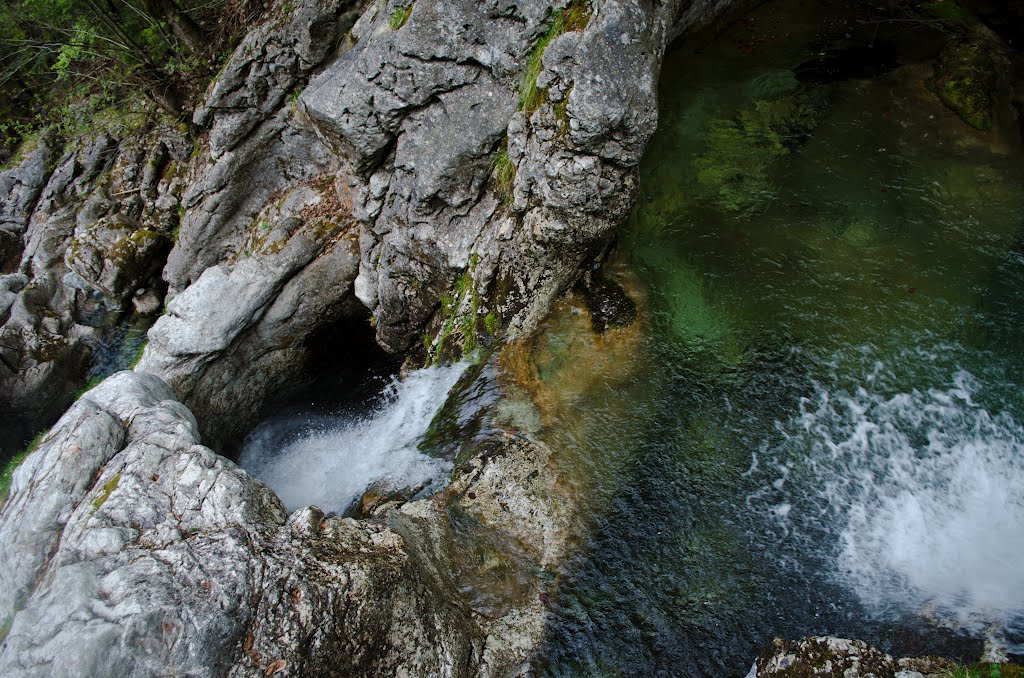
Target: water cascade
330, 460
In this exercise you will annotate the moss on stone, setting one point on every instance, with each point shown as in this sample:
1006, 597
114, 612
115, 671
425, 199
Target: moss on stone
965, 79
105, 491
460, 318
734, 170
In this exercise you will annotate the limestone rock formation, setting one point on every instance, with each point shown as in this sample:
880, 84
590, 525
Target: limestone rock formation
256, 146
240, 332
89, 230
420, 111
129, 549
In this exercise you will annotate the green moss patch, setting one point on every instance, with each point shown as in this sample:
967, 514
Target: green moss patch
735, 169
105, 491
965, 81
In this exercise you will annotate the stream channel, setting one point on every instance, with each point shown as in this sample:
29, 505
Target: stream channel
815, 426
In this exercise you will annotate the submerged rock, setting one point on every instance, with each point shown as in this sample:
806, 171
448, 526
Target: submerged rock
608, 303
965, 80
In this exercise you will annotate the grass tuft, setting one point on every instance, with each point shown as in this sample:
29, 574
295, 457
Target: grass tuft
400, 16
573, 18
504, 171
7, 475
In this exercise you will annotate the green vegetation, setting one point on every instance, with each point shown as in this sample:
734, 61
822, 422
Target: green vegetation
491, 323
985, 670
460, 313
400, 16
504, 172
7, 475
945, 10
90, 385
63, 62
5, 628
105, 491
571, 19
561, 110
137, 356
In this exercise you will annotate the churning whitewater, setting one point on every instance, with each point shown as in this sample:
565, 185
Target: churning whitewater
330, 461
925, 493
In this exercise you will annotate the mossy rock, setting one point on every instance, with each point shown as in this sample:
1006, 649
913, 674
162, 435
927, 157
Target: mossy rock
965, 81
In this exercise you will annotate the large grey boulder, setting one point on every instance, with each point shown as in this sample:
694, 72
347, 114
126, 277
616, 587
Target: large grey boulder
129, 549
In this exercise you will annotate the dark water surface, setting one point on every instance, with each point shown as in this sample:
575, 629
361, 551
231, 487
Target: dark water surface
818, 429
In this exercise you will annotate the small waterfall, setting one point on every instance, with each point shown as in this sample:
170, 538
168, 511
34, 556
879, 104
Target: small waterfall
922, 494
329, 461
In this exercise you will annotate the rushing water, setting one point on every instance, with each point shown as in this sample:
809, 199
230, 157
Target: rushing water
821, 428
330, 460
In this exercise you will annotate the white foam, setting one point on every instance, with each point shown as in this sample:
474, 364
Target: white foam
334, 460
925, 491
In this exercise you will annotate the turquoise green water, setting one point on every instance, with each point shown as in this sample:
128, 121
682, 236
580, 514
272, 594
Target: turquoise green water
817, 429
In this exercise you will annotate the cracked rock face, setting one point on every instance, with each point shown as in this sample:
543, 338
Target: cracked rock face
257, 146
420, 112
238, 334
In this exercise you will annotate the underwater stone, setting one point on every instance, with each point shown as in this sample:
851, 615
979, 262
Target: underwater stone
608, 303
965, 77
